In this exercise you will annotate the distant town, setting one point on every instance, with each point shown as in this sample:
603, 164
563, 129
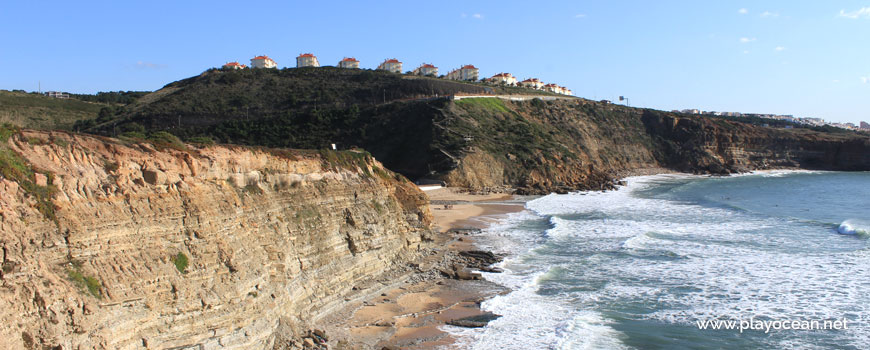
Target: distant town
471, 73
467, 72
864, 126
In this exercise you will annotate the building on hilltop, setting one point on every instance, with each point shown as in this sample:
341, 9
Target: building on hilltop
553, 88
426, 69
533, 83
234, 65
307, 60
504, 79
263, 62
57, 94
348, 62
567, 91
865, 126
467, 73
391, 65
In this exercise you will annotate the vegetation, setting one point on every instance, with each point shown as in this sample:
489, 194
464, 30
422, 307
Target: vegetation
180, 261
91, 284
489, 104
111, 97
36, 111
15, 168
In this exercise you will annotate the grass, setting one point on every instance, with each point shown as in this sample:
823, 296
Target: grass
91, 284
489, 104
15, 168
350, 160
180, 261
42, 112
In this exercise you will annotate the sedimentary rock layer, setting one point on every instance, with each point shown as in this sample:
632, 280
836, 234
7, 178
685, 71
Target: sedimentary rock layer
201, 248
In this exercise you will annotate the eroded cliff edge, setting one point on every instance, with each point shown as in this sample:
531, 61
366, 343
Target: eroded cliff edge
220, 247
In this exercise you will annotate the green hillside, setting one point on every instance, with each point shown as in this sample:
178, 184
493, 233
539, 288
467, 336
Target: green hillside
42, 112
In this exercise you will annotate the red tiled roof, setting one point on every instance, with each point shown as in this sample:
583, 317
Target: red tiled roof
306, 55
262, 58
392, 60
469, 66
232, 64
349, 59
427, 65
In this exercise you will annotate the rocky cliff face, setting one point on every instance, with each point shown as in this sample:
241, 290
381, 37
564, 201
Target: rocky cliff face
209, 248
541, 147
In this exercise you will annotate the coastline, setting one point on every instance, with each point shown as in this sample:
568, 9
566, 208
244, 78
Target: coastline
411, 315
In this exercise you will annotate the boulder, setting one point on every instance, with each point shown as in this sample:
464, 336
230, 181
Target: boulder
154, 176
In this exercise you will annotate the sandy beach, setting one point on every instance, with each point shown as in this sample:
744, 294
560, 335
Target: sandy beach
411, 315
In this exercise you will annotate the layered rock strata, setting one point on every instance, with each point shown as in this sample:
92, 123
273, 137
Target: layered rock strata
146, 247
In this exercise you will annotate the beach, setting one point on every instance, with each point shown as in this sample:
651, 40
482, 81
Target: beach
411, 315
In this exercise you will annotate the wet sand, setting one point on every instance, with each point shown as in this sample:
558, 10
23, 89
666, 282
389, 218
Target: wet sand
411, 316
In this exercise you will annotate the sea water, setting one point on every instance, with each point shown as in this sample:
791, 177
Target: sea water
640, 267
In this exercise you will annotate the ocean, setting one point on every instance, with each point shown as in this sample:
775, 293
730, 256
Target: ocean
646, 266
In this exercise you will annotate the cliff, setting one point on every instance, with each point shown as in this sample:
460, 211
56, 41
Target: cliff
483, 144
113, 245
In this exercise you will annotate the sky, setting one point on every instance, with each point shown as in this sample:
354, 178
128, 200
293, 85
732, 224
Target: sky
799, 57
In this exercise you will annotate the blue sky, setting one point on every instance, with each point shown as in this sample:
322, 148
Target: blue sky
807, 58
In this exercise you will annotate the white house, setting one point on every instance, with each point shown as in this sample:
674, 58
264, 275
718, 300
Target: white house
348, 62
391, 65
467, 72
307, 60
533, 83
426, 69
504, 79
234, 65
263, 62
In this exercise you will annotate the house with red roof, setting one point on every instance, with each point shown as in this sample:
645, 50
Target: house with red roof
391, 65
503, 79
263, 61
348, 62
533, 83
467, 73
426, 69
234, 65
307, 60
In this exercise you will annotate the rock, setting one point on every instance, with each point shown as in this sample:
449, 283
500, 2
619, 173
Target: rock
41, 180
474, 321
320, 333
308, 343
491, 269
154, 176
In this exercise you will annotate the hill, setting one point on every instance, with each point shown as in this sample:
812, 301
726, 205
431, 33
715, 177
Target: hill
42, 112
534, 146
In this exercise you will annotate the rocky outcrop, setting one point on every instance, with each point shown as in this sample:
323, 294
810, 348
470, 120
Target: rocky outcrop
541, 147
218, 247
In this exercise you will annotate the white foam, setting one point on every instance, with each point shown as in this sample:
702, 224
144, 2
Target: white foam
684, 262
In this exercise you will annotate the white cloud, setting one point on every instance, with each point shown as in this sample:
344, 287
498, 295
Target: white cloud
865, 80
766, 14
477, 15
745, 52
580, 15
862, 12
149, 65
779, 48
746, 40
743, 11
835, 81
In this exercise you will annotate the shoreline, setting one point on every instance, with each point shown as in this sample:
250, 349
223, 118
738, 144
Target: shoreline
443, 289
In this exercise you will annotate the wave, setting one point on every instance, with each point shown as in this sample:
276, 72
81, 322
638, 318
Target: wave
854, 227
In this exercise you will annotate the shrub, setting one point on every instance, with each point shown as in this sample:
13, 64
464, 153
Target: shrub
180, 262
91, 284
